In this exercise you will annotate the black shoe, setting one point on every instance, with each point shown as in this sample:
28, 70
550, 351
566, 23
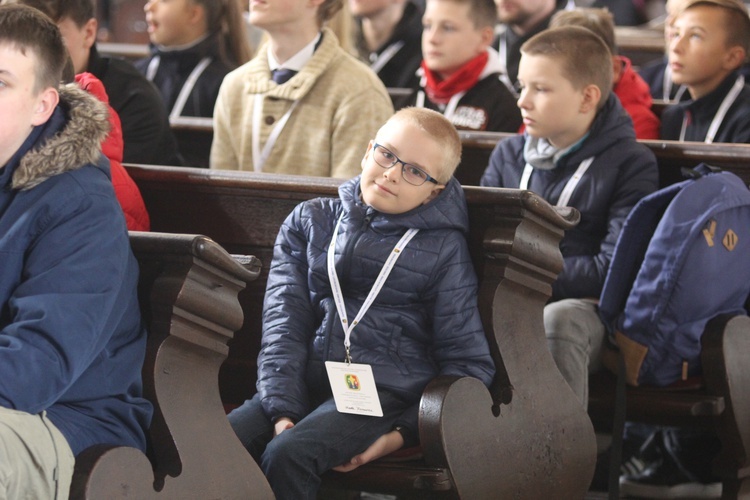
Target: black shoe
667, 479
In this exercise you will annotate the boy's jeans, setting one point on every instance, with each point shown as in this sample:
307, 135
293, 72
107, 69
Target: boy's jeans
575, 335
294, 460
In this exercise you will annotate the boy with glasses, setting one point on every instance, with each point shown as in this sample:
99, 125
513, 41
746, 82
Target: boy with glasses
382, 279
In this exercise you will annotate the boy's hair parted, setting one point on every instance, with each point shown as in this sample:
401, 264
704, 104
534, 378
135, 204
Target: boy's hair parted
224, 17
483, 13
736, 20
566, 44
441, 130
600, 21
28, 30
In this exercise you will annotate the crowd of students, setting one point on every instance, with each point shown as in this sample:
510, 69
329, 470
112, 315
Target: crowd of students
300, 103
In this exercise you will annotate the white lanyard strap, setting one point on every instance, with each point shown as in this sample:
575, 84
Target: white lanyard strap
450, 108
261, 156
570, 186
720, 113
153, 67
420, 99
188, 86
338, 296
385, 56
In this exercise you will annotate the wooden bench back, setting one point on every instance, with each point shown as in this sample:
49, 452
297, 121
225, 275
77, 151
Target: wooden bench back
188, 288
243, 212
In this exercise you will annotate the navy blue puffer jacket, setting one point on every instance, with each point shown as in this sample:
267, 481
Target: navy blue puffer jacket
423, 323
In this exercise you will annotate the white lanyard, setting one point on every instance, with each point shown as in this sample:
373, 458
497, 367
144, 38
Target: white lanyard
187, 87
570, 186
261, 156
450, 108
667, 87
720, 113
386, 56
338, 296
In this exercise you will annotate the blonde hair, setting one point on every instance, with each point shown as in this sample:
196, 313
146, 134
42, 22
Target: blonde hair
439, 128
600, 21
327, 9
565, 44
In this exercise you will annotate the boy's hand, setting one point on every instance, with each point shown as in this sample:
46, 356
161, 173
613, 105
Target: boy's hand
281, 425
384, 445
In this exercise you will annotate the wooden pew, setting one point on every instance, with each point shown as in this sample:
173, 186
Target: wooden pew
194, 136
527, 437
671, 156
188, 290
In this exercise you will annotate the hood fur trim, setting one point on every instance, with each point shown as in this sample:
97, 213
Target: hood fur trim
76, 145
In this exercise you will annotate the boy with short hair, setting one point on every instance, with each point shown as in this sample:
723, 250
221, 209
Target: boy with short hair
302, 105
423, 322
72, 341
630, 88
460, 71
579, 150
710, 41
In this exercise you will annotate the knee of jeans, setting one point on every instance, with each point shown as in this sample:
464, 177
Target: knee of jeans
559, 322
281, 450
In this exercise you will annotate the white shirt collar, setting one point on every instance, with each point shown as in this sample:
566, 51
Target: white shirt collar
298, 60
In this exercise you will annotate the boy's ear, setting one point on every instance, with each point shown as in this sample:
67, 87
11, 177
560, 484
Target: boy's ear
89, 32
487, 35
435, 192
591, 96
197, 13
46, 103
734, 58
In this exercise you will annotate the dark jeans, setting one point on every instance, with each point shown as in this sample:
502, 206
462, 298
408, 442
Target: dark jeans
294, 460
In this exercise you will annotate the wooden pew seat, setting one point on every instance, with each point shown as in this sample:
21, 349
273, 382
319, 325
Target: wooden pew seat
188, 290
527, 437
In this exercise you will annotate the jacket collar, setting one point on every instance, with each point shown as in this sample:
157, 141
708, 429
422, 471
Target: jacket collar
258, 74
70, 139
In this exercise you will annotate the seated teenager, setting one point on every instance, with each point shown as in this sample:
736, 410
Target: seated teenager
460, 71
145, 127
388, 39
710, 41
72, 341
302, 105
579, 150
630, 88
422, 322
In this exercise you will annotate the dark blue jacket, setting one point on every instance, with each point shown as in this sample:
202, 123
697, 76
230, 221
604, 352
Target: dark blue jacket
734, 128
423, 323
71, 337
622, 173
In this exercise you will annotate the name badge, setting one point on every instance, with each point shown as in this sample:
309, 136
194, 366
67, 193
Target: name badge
353, 387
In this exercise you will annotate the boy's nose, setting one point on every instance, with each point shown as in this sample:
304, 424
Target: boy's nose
393, 174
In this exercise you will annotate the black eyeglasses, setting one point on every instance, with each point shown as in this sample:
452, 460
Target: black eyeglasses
411, 173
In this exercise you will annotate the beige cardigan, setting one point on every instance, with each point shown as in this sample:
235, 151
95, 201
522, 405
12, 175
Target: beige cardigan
342, 104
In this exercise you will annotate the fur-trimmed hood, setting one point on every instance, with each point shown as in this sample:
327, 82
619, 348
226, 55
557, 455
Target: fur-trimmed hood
77, 143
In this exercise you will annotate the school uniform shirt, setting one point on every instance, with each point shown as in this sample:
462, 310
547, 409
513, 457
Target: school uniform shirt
72, 341
635, 97
340, 106
145, 127
487, 106
697, 116
622, 172
169, 69
397, 61
424, 322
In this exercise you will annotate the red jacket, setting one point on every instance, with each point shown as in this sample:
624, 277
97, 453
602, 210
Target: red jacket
127, 192
635, 97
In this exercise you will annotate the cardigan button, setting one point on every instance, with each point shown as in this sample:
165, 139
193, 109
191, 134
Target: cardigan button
269, 120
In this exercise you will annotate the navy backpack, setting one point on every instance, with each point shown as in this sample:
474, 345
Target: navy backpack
682, 258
